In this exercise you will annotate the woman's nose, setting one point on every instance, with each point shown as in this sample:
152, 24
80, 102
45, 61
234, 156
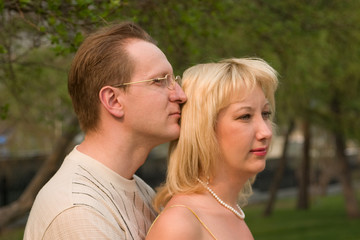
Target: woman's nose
264, 130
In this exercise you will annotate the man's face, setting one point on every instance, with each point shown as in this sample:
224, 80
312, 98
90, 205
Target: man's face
152, 111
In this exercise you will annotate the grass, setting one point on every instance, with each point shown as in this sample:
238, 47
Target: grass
326, 219
12, 234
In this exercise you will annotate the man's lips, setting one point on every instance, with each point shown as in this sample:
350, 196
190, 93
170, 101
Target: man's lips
176, 114
259, 151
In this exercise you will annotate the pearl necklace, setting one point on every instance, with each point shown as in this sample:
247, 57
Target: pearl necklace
240, 214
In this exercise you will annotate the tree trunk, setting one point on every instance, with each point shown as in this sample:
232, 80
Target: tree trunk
351, 204
303, 194
279, 172
22, 205
4, 190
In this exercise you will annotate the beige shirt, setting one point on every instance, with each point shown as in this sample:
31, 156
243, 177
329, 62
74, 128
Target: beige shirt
87, 200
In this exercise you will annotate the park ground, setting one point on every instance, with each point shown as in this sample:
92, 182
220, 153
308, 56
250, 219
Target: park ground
326, 219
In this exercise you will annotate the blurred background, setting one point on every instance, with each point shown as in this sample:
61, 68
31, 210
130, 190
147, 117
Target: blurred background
311, 186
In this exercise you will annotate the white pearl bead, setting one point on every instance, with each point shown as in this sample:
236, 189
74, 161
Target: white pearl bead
240, 214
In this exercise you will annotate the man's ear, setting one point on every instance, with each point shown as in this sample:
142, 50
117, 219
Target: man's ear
110, 99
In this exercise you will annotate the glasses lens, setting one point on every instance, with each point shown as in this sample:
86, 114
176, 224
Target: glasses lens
169, 81
178, 80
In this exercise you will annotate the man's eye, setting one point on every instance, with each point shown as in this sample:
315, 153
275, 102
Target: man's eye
157, 80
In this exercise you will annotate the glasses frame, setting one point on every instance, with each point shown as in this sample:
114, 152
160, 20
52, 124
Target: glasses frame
171, 85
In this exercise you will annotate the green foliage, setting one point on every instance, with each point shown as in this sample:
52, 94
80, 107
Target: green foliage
4, 109
13, 234
311, 44
36, 42
64, 21
325, 220
2, 50
312, 47
48, 90
189, 32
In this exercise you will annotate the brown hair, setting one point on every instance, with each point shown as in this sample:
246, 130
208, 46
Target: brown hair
101, 60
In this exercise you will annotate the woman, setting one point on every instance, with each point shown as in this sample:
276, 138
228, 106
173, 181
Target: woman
226, 129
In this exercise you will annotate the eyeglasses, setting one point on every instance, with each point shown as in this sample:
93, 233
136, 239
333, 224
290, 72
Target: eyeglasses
168, 81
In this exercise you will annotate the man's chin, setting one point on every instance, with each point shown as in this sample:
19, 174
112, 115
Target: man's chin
174, 133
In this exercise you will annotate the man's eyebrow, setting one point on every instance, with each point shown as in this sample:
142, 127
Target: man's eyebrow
159, 75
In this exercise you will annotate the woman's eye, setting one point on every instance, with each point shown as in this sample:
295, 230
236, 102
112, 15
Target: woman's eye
245, 117
266, 114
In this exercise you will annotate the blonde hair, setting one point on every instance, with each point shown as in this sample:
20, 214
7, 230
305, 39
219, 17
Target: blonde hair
209, 87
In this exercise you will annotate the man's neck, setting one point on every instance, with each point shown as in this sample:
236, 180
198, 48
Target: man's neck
122, 156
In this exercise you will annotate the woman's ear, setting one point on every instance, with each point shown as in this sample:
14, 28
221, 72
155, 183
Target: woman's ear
109, 98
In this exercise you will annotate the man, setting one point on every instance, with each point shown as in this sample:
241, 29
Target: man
127, 102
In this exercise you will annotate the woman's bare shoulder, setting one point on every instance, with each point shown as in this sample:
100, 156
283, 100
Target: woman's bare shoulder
176, 222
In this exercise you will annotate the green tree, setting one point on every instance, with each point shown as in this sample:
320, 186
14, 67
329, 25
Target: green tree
179, 27
33, 77
310, 43
313, 47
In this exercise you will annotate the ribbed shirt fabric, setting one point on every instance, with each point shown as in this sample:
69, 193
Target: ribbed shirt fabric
87, 200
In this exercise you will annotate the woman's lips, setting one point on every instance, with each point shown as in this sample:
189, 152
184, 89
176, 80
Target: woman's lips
259, 151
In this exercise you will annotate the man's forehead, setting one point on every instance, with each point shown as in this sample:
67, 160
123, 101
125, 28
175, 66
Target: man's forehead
148, 59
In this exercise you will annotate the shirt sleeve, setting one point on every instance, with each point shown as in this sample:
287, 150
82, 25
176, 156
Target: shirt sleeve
83, 222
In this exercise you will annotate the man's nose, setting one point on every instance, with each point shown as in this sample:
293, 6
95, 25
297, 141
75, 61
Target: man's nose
178, 95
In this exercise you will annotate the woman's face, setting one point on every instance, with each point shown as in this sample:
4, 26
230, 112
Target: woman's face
244, 132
